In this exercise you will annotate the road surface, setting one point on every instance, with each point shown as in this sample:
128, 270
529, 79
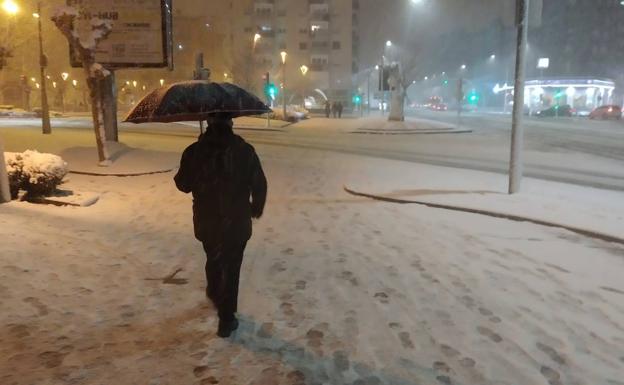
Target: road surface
576, 151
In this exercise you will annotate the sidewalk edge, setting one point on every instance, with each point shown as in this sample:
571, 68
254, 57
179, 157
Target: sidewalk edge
516, 218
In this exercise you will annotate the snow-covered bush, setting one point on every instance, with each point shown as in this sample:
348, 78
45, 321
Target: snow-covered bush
293, 113
35, 172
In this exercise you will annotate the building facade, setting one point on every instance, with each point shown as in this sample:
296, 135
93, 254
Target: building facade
247, 37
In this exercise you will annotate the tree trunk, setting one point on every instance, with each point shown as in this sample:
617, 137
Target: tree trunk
5, 191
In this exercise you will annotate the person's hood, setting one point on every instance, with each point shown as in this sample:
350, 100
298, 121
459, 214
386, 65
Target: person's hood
218, 132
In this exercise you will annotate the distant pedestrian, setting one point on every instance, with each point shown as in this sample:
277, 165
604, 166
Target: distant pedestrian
334, 109
327, 108
340, 108
229, 189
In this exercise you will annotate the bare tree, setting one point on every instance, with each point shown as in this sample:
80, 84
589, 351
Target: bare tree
245, 70
403, 71
84, 49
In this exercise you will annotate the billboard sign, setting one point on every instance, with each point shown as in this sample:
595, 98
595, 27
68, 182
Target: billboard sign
141, 35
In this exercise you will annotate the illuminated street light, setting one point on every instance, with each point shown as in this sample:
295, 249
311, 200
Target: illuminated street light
426, 77
388, 43
377, 67
463, 66
10, 7
33, 80
35, 15
134, 83
257, 37
304, 69
492, 57
75, 82
283, 54
54, 84
162, 82
37, 85
64, 76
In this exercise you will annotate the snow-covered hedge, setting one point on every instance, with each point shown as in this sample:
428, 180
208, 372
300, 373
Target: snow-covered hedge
35, 172
293, 113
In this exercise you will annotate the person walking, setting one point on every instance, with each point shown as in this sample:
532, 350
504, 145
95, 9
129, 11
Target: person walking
340, 108
334, 109
224, 174
327, 108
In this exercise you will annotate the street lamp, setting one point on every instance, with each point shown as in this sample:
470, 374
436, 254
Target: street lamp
64, 76
75, 82
162, 82
463, 66
10, 7
304, 70
492, 57
283, 54
388, 43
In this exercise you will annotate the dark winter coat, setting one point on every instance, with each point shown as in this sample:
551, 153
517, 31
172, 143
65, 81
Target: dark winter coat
228, 184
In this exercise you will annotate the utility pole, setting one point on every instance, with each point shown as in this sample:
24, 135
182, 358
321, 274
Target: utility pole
460, 99
201, 73
368, 92
517, 131
284, 82
5, 190
43, 62
108, 92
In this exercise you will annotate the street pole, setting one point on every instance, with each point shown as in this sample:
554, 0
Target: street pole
45, 109
5, 189
517, 132
368, 92
284, 85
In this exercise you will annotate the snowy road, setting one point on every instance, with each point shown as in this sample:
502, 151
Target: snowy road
335, 290
573, 151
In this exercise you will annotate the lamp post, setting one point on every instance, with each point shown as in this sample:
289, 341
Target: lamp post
304, 70
284, 54
62, 89
43, 63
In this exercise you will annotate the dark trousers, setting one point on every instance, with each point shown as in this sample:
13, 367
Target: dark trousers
223, 264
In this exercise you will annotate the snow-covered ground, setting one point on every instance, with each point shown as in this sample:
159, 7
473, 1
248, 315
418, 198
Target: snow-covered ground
335, 289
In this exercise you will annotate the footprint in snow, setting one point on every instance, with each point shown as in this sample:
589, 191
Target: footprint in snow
489, 334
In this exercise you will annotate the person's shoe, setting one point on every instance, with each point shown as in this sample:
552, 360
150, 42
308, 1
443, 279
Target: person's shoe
227, 327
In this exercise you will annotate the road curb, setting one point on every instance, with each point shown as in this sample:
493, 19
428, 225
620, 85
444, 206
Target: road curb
410, 132
494, 214
122, 175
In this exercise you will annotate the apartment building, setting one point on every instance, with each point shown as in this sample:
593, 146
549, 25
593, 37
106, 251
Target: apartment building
248, 37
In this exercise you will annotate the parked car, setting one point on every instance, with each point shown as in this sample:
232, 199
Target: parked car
607, 113
438, 107
555, 111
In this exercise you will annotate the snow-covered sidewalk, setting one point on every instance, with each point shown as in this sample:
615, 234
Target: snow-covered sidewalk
585, 208
335, 289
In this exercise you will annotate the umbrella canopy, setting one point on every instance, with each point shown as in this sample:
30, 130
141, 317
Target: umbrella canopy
196, 100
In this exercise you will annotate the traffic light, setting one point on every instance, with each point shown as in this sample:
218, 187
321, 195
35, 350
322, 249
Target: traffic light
270, 91
445, 82
357, 99
473, 97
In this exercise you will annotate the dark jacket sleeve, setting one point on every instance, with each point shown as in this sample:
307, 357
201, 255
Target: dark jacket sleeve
185, 178
258, 187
